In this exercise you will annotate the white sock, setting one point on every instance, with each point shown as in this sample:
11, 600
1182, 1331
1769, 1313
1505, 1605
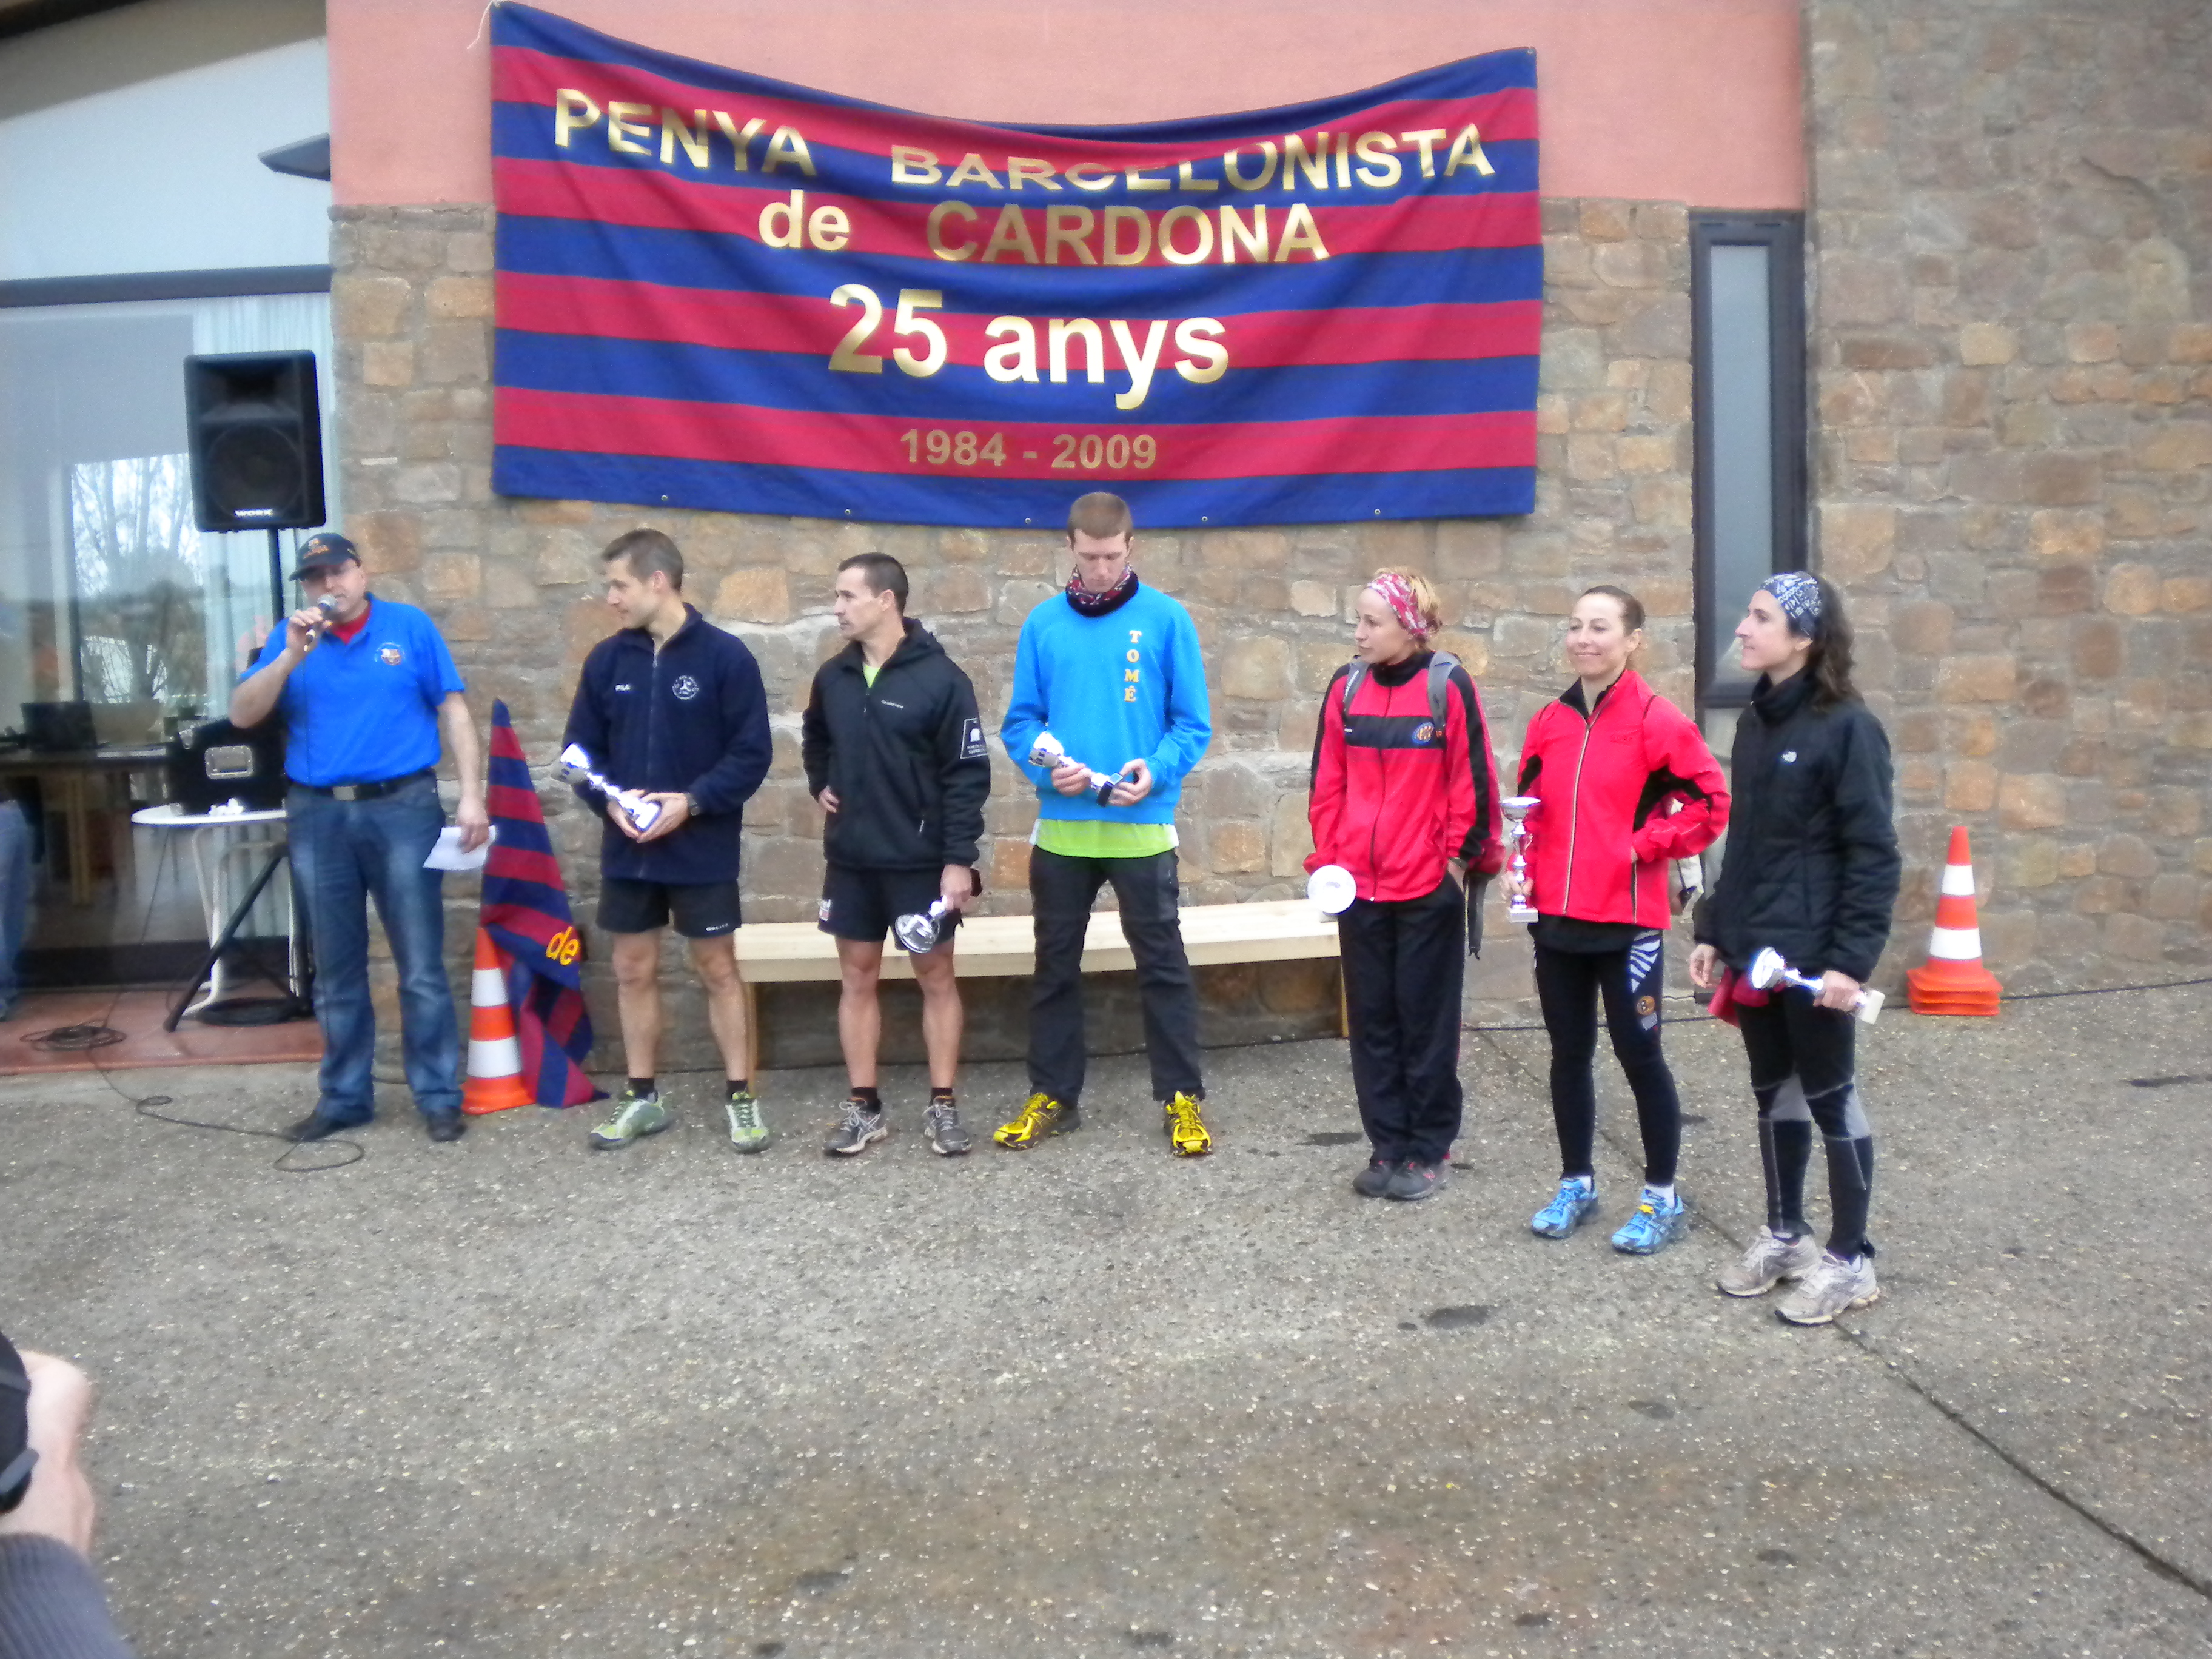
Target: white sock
1587, 1184
1665, 1194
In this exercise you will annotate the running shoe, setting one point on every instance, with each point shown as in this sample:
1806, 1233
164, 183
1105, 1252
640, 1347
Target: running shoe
1832, 1286
1657, 1223
1416, 1181
1373, 1180
749, 1131
947, 1139
1041, 1117
1771, 1258
1186, 1131
636, 1116
1573, 1204
859, 1126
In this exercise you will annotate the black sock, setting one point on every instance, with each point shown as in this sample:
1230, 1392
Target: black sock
943, 1095
874, 1101
739, 1085
641, 1085
1850, 1186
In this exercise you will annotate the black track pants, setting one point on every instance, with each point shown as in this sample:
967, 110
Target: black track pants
1403, 967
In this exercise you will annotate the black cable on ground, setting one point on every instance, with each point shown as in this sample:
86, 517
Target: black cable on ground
93, 1036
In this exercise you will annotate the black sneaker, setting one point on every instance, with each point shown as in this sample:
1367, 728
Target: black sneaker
444, 1125
1415, 1180
1373, 1180
316, 1127
858, 1125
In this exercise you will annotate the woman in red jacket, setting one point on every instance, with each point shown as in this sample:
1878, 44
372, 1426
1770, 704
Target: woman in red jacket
1627, 786
1405, 797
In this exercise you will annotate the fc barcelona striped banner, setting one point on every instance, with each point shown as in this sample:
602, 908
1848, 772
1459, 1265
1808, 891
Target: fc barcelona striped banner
719, 291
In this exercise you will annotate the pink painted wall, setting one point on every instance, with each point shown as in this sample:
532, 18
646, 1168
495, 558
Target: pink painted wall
1679, 101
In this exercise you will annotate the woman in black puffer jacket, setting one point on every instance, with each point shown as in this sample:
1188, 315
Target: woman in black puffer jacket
1811, 871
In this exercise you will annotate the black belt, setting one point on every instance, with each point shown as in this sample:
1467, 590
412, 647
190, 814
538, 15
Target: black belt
366, 791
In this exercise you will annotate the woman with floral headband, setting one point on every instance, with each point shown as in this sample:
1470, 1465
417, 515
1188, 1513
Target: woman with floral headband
1405, 797
1811, 871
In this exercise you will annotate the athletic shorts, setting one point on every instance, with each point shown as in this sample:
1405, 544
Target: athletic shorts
862, 904
701, 910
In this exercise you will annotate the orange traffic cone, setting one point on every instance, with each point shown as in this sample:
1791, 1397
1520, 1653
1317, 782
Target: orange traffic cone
1954, 982
494, 1080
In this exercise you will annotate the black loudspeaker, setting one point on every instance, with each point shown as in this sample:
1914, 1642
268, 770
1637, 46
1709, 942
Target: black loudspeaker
255, 429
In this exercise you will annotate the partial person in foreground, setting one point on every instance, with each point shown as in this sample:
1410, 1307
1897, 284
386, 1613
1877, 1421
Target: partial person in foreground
51, 1605
895, 756
1627, 786
671, 710
1811, 870
1405, 797
364, 686
1111, 669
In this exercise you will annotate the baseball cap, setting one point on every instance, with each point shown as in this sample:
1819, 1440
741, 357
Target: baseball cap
324, 550
16, 1453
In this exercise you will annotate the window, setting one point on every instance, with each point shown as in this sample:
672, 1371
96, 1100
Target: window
1748, 345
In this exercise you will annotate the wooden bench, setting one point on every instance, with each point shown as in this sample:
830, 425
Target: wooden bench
1278, 930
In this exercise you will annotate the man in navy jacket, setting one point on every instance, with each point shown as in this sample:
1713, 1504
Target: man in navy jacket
672, 707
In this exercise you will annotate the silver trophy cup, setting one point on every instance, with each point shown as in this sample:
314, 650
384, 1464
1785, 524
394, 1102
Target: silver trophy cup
1048, 751
920, 933
1768, 970
1519, 810
576, 767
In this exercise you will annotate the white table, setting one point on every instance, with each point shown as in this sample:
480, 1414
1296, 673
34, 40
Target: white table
221, 842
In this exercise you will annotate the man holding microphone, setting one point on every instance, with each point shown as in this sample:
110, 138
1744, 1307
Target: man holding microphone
364, 686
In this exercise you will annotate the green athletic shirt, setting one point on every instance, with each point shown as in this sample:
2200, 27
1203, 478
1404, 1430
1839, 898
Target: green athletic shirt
870, 670
1089, 838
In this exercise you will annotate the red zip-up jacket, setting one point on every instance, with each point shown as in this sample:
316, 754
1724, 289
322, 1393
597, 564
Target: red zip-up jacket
1393, 797
1600, 843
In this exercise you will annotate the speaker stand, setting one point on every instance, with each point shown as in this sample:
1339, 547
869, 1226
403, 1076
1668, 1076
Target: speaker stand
276, 580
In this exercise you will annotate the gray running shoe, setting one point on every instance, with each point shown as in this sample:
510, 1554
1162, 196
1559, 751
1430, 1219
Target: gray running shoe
636, 1116
1833, 1286
1373, 1180
1770, 1260
946, 1138
748, 1128
857, 1126
1415, 1180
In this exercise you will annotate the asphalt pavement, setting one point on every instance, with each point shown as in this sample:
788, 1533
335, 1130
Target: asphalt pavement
511, 1397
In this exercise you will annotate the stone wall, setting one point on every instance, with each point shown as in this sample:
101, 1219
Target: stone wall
515, 583
2012, 336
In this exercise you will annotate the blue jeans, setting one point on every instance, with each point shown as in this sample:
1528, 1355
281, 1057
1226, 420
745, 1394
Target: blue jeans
14, 896
344, 854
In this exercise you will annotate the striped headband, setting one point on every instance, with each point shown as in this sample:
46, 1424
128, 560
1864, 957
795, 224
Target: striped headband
1398, 593
1798, 593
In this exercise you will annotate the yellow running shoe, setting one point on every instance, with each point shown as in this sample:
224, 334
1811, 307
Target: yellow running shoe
1041, 1117
1186, 1131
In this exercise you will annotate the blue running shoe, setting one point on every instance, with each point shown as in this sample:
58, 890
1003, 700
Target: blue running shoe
1574, 1204
1657, 1223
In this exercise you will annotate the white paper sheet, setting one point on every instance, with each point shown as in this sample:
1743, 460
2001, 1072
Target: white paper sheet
448, 854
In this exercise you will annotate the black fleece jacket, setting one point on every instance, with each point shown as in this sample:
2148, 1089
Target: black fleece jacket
690, 719
906, 757
1811, 865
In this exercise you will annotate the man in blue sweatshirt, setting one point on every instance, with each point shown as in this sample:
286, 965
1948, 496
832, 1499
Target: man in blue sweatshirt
671, 709
1111, 670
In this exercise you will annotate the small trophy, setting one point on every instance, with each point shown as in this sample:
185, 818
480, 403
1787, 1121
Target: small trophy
918, 934
576, 768
1518, 809
1331, 887
1048, 752
1768, 970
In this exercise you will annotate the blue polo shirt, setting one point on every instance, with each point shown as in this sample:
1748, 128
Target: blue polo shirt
363, 710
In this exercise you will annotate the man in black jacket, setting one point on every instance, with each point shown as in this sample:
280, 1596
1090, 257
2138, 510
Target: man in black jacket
671, 710
895, 754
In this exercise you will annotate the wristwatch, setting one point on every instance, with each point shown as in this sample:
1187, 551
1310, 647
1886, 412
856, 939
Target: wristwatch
690, 805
